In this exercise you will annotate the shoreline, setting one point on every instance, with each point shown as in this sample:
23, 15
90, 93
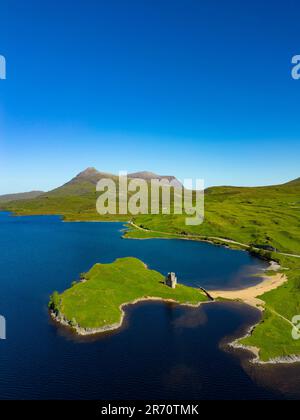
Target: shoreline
250, 295
231, 345
62, 320
251, 298
284, 360
214, 240
268, 283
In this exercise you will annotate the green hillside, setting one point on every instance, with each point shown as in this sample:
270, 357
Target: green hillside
96, 301
75, 200
259, 215
273, 336
20, 196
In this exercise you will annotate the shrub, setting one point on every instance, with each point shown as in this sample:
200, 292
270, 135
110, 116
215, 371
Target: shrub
54, 304
73, 323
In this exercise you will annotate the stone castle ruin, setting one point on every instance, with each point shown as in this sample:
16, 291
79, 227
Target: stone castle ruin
171, 280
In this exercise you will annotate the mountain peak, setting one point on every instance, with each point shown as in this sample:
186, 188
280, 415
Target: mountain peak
146, 175
90, 175
87, 172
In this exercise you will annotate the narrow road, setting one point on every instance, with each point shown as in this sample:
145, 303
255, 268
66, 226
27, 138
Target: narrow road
207, 239
294, 326
282, 317
289, 255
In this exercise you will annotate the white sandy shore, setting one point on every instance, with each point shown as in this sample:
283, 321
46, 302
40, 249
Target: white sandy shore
251, 294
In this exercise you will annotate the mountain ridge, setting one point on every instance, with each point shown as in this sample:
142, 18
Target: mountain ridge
91, 176
261, 215
293, 182
20, 196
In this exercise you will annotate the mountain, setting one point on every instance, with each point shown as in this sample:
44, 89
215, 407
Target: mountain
82, 184
76, 199
20, 196
260, 215
85, 182
90, 175
147, 176
293, 182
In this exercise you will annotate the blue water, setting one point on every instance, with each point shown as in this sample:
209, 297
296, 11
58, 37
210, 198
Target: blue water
163, 351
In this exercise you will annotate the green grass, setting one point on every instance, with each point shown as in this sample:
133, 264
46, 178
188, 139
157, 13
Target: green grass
273, 336
133, 233
265, 215
96, 302
261, 216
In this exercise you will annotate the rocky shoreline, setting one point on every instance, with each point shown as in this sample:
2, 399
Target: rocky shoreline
236, 344
62, 320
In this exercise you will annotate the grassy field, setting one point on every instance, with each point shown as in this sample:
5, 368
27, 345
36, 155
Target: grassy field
273, 336
262, 215
96, 302
256, 215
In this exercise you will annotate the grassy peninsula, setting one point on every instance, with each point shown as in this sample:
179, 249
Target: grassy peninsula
95, 303
265, 216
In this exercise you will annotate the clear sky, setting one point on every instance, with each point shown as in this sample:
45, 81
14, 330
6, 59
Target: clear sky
192, 88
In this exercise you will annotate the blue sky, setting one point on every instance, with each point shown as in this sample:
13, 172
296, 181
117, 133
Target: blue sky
194, 88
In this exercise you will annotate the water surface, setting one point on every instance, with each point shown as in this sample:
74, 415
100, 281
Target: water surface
163, 351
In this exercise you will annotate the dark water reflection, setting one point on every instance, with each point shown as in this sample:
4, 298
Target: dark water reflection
162, 351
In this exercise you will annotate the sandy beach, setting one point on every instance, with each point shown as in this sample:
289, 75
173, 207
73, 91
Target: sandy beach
251, 294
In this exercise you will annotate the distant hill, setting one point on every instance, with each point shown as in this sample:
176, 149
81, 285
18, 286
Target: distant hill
294, 182
90, 175
20, 196
255, 215
147, 176
267, 217
76, 199
82, 184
